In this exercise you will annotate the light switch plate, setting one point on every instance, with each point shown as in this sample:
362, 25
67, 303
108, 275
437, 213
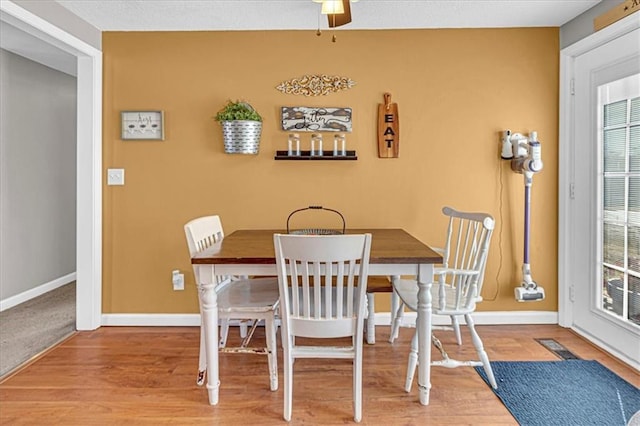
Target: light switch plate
115, 176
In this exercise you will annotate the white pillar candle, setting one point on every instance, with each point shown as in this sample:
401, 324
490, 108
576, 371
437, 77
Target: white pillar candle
335, 148
320, 147
289, 153
313, 147
298, 147
344, 152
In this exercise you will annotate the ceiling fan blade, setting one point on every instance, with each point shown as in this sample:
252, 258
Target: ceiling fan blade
336, 20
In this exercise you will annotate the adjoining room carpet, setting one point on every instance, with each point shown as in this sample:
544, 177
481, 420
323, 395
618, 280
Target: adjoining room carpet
35, 325
571, 392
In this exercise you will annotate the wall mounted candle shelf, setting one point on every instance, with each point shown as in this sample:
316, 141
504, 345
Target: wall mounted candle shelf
306, 155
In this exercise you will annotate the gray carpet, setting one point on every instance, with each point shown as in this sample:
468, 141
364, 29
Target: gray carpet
35, 325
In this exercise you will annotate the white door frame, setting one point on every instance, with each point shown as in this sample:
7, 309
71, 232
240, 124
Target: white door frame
566, 174
88, 158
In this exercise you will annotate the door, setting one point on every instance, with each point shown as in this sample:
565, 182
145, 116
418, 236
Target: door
603, 213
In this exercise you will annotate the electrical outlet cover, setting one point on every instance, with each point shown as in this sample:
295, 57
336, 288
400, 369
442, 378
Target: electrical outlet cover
115, 176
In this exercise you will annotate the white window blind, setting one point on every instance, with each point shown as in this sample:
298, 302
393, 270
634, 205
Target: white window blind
620, 199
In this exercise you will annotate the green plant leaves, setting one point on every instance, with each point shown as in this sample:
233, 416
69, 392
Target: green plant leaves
237, 110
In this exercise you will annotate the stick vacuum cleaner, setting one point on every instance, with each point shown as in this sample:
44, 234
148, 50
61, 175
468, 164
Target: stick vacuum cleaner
526, 158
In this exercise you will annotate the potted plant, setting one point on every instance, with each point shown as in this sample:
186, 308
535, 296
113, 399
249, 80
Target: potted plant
241, 128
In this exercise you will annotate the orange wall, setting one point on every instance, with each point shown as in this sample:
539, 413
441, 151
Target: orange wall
456, 90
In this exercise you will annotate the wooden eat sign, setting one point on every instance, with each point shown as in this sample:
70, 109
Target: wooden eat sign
388, 129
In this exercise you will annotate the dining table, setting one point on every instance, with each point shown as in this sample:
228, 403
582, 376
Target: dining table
394, 252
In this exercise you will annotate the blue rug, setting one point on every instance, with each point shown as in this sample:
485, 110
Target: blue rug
571, 392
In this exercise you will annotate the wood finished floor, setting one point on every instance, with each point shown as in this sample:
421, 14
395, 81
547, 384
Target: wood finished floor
127, 375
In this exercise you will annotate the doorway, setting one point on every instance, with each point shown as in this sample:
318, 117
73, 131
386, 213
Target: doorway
598, 222
88, 157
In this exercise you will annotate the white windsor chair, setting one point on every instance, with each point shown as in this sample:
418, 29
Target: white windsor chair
456, 288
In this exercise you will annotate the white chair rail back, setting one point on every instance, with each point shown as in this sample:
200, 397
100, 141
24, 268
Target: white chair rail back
465, 255
326, 273
202, 233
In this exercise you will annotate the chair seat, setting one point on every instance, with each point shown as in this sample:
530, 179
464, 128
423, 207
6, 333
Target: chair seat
251, 296
408, 292
378, 284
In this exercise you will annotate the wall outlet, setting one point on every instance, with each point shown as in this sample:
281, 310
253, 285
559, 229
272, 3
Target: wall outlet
178, 280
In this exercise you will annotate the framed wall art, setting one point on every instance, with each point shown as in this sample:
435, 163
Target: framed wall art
316, 119
142, 125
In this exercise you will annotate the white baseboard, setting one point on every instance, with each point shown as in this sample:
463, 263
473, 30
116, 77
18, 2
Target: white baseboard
12, 301
151, 320
634, 363
483, 318
382, 318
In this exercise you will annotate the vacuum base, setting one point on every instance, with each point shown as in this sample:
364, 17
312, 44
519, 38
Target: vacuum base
529, 294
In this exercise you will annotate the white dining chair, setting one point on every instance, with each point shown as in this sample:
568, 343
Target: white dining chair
239, 298
456, 287
322, 282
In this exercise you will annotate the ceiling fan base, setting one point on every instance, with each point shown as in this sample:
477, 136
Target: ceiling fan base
337, 20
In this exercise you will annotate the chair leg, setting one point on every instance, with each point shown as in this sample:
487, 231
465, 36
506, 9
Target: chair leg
288, 380
244, 326
272, 356
395, 325
484, 358
202, 360
357, 385
413, 362
456, 328
371, 319
224, 333
397, 320
395, 303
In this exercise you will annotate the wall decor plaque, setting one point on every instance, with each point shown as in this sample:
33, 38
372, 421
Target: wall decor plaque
315, 119
142, 125
388, 129
315, 85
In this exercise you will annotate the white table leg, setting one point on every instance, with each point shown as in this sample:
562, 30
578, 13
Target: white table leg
209, 298
425, 276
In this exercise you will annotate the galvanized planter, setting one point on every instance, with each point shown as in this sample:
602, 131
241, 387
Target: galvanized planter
241, 136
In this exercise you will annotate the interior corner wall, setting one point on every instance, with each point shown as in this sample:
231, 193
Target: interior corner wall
37, 175
457, 90
582, 25
64, 19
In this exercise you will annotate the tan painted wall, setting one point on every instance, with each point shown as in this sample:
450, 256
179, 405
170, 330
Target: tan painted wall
456, 90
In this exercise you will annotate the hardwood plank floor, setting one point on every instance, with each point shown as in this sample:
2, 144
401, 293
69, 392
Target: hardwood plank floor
144, 375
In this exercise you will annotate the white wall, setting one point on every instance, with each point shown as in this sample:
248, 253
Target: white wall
37, 175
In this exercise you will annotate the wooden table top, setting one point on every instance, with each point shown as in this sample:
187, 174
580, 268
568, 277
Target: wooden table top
256, 247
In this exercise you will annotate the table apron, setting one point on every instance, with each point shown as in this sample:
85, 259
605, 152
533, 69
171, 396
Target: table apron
207, 272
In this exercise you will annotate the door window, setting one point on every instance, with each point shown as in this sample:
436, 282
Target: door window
619, 224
